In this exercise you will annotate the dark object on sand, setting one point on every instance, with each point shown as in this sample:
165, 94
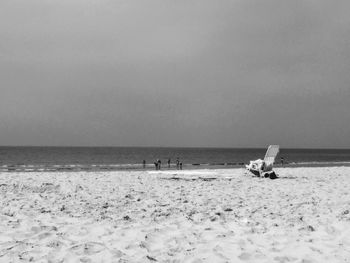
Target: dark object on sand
272, 175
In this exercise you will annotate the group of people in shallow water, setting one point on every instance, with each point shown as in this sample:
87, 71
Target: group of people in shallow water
158, 164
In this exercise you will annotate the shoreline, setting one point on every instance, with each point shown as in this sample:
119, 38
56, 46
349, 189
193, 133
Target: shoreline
150, 167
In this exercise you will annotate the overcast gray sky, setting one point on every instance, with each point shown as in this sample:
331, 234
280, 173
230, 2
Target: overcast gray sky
236, 73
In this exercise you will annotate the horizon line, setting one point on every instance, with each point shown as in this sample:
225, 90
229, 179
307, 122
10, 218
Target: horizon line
189, 147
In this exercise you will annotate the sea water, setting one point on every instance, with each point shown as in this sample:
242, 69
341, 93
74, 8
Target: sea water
118, 158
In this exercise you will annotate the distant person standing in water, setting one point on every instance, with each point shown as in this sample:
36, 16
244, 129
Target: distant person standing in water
177, 163
282, 160
169, 163
159, 163
180, 165
144, 164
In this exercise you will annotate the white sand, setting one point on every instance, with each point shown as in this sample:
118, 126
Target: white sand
148, 217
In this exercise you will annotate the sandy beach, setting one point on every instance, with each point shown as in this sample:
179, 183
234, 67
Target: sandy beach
176, 216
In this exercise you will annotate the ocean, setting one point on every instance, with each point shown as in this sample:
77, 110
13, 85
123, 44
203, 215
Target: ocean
126, 158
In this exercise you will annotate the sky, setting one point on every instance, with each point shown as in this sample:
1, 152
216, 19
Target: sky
184, 73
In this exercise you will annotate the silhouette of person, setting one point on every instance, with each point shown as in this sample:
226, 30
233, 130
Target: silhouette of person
169, 163
144, 164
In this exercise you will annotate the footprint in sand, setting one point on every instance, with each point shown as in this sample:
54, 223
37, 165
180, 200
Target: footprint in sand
55, 244
44, 235
244, 256
88, 248
285, 259
37, 229
30, 255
